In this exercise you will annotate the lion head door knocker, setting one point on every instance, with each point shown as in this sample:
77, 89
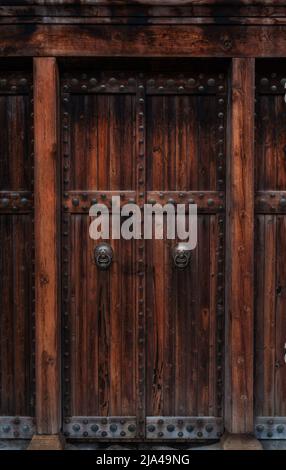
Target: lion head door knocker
103, 255
181, 255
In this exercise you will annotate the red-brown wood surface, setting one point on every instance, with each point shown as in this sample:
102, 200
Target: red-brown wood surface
48, 383
103, 154
16, 252
270, 367
239, 251
143, 41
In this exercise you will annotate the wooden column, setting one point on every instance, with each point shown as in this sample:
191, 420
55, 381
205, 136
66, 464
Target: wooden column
239, 252
48, 407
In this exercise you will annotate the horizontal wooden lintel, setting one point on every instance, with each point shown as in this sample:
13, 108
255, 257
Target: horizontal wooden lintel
143, 41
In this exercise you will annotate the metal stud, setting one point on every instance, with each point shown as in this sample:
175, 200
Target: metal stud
170, 427
190, 428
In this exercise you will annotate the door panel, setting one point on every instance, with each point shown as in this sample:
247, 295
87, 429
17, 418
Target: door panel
143, 348
270, 298
16, 257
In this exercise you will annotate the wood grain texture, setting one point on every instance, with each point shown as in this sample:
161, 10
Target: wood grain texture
46, 247
16, 248
144, 41
239, 252
270, 367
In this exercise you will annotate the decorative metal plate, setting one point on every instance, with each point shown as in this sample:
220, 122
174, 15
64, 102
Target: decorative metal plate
22, 427
168, 427
112, 427
269, 427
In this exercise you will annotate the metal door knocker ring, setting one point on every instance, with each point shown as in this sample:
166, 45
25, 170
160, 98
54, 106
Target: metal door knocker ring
103, 255
181, 255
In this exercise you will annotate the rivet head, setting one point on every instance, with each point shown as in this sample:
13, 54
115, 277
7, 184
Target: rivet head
170, 427
211, 82
94, 428
85, 421
160, 434
25, 428
273, 88
160, 422
4, 202
85, 434
190, 428
210, 202
131, 428
200, 434
113, 428
280, 428
23, 81
269, 434
75, 202
180, 434
6, 428
76, 427
191, 81
151, 428
264, 81
122, 433
104, 421
104, 433
259, 428
209, 428
283, 201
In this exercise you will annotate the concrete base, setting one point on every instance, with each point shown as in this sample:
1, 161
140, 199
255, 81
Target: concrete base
240, 442
47, 442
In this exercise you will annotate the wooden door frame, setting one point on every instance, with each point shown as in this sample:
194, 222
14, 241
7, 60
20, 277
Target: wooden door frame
239, 249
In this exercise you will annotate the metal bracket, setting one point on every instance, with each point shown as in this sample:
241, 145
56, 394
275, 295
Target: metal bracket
17, 427
111, 427
270, 427
179, 427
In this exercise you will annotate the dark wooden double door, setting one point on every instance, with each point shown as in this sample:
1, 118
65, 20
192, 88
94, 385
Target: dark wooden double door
143, 341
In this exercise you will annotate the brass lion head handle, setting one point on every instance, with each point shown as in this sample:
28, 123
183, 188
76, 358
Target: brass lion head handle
103, 255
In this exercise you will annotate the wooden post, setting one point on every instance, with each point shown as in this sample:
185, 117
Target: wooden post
239, 251
48, 403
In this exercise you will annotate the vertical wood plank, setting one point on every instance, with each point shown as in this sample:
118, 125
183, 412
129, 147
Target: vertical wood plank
46, 248
239, 251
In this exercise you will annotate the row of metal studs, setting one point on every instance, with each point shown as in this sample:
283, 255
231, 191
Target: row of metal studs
221, 162
65, 257
272, 83
141, 159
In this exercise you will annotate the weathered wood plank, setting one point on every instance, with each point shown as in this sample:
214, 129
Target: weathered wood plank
46, 248
239, 252
144, 41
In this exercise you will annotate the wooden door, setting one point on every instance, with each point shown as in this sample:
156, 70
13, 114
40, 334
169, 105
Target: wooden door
270, 295
143, 341
17, 397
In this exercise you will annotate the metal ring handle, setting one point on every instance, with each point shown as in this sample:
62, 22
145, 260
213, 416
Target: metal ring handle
103, 256
181, 255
